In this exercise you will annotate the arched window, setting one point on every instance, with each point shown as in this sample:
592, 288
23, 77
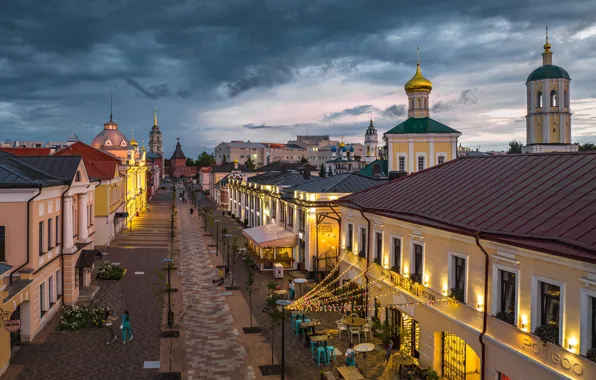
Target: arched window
539, 100
78, 176
419, 104
565, 99
553, 99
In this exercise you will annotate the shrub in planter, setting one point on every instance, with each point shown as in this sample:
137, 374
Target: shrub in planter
506, 316
548, 333
79, 317
395, 269
109, 272
430, 374
457, 294
591, 354
377, 261
416, 278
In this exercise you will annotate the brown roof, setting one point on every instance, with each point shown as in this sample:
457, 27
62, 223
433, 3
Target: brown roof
28, 151
99, 165
545, 202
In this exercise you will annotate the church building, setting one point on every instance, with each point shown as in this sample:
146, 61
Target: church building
548, 120
419, 142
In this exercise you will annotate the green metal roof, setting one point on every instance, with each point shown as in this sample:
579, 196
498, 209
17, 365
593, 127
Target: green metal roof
421, 125
368, 169
548, 72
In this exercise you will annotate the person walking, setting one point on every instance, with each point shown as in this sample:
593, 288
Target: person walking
125, 326
191, 211
291, 289
107, 323
351, 356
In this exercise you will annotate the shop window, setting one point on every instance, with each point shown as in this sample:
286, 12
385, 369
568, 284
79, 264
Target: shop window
362, 243
379, 247
457, 277
396, 263
507, 296
350, 240
41, 244
418, 261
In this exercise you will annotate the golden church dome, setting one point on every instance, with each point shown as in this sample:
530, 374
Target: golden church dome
418, 83
133, 142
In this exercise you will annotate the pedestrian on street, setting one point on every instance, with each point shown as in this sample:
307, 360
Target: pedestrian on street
107, 322
191, 210
125, 326
291, 289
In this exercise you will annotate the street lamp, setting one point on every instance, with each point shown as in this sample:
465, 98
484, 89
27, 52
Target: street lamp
217, 237
227, 240
283, 304
169, 260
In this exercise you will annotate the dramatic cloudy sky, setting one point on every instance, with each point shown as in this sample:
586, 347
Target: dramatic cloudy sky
266, 70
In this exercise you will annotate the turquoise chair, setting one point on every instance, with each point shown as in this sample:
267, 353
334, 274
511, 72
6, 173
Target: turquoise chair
331, 354
293, 321
313, 345
298, 329
321, 352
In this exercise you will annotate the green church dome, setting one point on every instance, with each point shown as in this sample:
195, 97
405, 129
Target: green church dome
548, 72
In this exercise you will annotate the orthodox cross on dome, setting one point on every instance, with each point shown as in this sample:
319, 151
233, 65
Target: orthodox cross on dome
155, 116
111, 101
418, 54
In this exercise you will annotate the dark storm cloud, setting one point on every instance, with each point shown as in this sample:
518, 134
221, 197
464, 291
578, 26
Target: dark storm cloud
263, 126
354, 111
152, 91
466, 97
60, 51
395, 111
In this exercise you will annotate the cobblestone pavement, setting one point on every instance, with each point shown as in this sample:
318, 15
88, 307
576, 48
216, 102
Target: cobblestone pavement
298, 360
84, 354
212, 349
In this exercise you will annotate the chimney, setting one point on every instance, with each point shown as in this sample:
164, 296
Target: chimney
306, 172
376, 171
396, 175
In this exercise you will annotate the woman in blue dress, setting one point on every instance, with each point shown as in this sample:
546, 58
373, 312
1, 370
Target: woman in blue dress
126, 327
351, 356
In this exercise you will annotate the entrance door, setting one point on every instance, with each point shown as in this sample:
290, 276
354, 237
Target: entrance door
15, 337
301, 249
393, 319
454, 357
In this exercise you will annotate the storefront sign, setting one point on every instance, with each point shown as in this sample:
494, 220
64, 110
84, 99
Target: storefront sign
553, 358
12, 325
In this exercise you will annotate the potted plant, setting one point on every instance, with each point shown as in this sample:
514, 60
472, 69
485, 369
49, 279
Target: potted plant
591, 354
429, 374
362, 254
387, 334
377, 261
548, 333
416, 278
506, 316
395, 269
457, 294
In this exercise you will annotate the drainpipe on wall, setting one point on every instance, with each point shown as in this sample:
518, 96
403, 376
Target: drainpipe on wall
485, 314
28, 232
367, 258
62, 241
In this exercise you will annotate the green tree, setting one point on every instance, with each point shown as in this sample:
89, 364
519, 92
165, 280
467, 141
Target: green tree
250, 287
322, 171
587, 147
515, 147
205, 159
190, 162
224, 159
330, 172
250, 163
272, 312
304, 160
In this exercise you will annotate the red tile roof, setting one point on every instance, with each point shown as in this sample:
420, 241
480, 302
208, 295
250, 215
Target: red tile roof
99, 165
545, 202
28, 151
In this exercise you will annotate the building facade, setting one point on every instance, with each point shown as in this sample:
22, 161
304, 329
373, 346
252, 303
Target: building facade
492, 276
46, 228
548, 120
420, 142
178, 167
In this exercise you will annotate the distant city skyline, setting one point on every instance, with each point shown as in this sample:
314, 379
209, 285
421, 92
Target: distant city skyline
219, 71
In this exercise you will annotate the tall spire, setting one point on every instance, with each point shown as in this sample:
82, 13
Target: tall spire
155, 117
547, 55
418, 56
111, 96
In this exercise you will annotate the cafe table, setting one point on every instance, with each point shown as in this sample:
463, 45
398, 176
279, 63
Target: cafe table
364, 348
353, 321
350, 373
300, 281
401, 360
311, 324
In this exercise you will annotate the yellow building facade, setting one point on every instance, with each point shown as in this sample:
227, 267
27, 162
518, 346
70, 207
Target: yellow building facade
519, 278
548, 120
419, 142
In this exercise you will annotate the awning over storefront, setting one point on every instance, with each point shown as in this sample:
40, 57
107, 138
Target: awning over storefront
87, 258
270, 235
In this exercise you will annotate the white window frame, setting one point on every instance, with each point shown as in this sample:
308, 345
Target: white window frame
41, 209
379, 254
349, 244
441, 154
496, 291
536, 305
584, 344
405, 156
413, 257
360, 228
418, 156
49, 207
451, 272
401, 253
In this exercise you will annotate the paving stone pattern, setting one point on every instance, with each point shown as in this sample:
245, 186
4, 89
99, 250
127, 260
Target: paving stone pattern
298, 360
84, 354
212, 349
